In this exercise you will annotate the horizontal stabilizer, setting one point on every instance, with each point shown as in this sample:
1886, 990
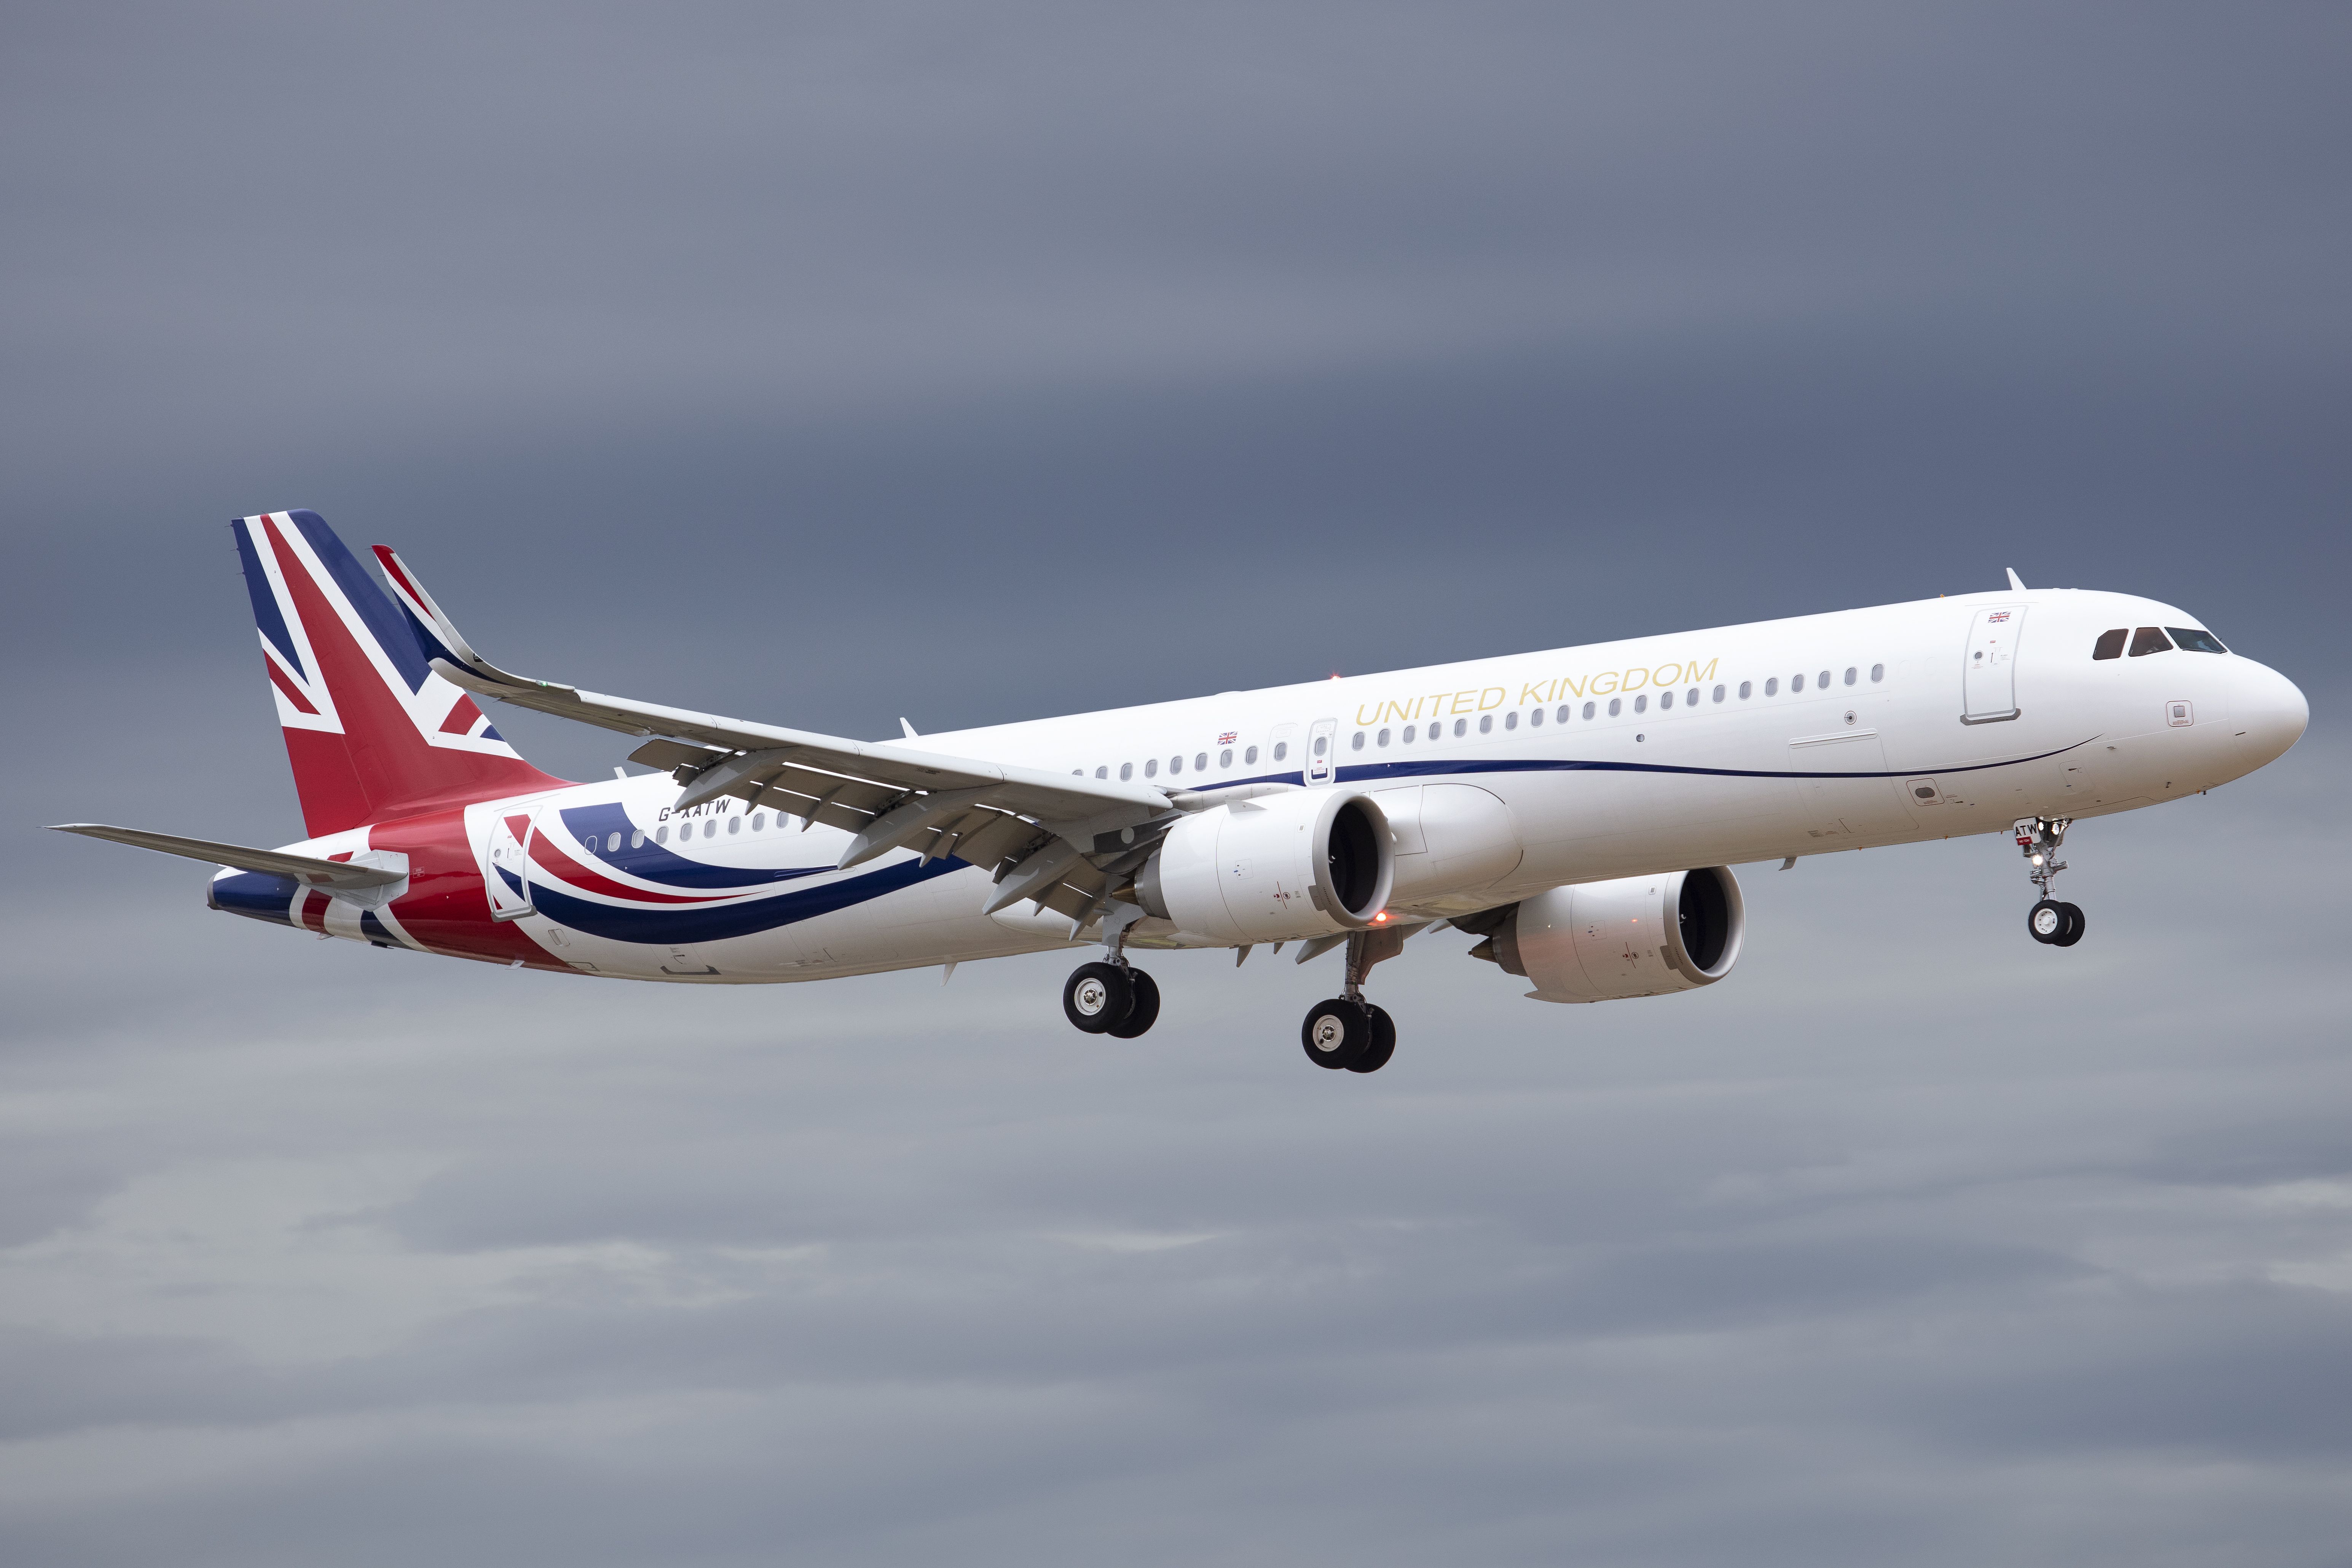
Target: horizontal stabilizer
331, 876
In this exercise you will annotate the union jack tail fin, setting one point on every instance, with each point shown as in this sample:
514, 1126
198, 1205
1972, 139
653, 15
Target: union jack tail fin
372, 733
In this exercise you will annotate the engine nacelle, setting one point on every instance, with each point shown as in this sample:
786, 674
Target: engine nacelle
1637, 936
1302, 863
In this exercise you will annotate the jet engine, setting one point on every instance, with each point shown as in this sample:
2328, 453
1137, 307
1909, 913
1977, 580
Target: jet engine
1637, 936
1302, 863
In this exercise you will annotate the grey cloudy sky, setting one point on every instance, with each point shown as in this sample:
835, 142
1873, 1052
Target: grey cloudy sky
979, 364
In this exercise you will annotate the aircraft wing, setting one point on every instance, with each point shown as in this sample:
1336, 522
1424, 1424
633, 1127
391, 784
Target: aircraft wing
889, 795
328, 876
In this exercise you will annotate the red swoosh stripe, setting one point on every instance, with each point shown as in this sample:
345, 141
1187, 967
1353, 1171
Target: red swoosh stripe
565, 868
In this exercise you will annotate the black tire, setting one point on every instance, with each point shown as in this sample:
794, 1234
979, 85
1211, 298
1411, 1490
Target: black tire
2074, 931
2046, 922
1097, 997
1382, 1046
1337, 1033
1144, 1011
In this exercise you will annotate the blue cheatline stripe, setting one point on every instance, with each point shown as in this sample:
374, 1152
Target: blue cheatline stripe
266, 612
652, 862
374, 929
1362, 770
1367, 773
654, 926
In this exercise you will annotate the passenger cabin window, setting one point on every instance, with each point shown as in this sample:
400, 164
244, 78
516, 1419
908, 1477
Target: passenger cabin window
1355, 745
1175, 764
1125, 772
1796, 683
1282, 750
1772, 686
1561, 717
1745, 688
1665, 699
2149, 639
1409, 730
1589, 710
1200, 760
1616, 705
1225, 757
1641, 703
1384, 737
1485, 724
1320, 740
734, 824
1511, 719
1103, 772
1250, 757
1852, 674
1151, 768
1460, 727
1877, 672
2188, 639
1690, 698
1535, 718
1718, 694
2110, 643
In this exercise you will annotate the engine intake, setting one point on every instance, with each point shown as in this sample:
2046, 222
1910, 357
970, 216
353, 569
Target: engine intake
1637, 936
1299, 864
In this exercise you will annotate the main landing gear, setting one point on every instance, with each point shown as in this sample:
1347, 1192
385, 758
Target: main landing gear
1112, 997
2049, 922
1348, 1031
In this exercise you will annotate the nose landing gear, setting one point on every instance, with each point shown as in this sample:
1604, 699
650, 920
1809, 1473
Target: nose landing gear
2050, 922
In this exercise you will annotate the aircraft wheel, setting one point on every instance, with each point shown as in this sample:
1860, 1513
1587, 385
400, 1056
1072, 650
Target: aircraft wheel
1338, 1033
2047, 922
1097, 997
2074, 931
1380, 1047
1144, 1012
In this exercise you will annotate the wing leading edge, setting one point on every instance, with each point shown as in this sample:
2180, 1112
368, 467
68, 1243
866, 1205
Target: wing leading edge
1041, 834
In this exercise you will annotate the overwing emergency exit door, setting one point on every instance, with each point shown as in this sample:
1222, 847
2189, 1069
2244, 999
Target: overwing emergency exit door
1988, 677
1320, 743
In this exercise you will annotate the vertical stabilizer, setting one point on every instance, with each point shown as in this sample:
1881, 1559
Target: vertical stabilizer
371, 732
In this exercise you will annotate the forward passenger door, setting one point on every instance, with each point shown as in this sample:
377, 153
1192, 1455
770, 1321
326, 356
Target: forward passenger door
1989, 676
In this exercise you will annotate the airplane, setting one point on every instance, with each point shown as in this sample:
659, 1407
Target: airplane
1576, 810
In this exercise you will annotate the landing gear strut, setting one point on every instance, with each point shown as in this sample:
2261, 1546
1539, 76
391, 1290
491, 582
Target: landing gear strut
1348, 1031
1112, 997
2050, 922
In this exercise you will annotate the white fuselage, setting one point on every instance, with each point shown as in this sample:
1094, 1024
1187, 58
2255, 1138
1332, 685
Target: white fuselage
1500, 777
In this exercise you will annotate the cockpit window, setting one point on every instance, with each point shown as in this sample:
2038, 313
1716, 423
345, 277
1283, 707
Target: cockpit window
2110, 643
2149, 639
2190, 640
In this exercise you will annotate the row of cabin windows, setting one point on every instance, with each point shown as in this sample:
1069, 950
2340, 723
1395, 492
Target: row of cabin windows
1689, 698
2151, 639
1176, 764
1435, 730
757, 821
2109, 646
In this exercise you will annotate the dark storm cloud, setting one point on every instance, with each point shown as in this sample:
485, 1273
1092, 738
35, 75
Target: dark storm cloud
973, 365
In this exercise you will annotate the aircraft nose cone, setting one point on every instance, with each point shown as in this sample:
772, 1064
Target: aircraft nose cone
2270, 710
